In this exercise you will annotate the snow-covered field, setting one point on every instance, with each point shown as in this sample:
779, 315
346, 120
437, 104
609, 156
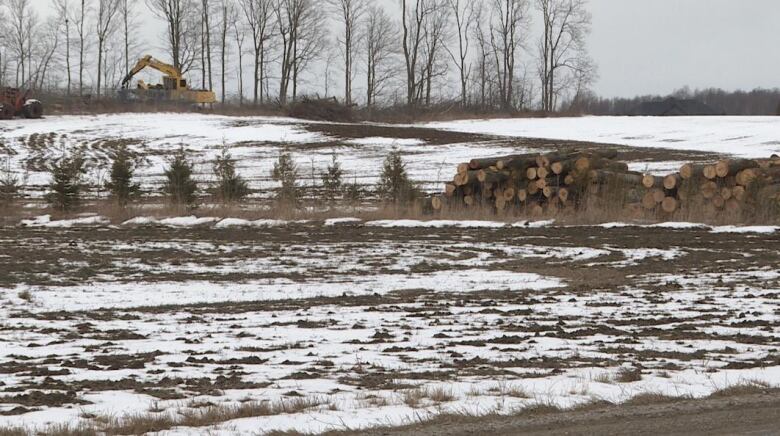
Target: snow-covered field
257, 141
254, 141
373, 323
226, 325
752, 137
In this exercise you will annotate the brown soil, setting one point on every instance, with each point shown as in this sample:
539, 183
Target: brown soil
741, 415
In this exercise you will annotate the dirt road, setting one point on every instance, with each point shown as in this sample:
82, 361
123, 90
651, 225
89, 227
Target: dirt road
744, 415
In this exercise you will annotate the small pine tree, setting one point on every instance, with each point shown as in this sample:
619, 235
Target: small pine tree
394, 183
286, 172
10, 185
179, 185
230, 187
331, 180
120, 184
66, 182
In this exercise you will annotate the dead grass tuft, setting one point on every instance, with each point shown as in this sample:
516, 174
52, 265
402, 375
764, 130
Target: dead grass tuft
413, 397
646, 398
437, 394
628, 375
747, 387
26, 295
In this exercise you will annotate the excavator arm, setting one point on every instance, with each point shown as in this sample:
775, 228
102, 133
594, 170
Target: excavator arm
148, 61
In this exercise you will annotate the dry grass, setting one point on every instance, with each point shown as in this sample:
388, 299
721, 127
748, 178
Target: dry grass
646, 398
437, 394
25, 295
747, 387
628, 375
151, 422
603, 378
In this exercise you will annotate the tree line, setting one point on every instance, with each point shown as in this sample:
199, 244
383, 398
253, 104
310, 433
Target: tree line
407, 53
756, 102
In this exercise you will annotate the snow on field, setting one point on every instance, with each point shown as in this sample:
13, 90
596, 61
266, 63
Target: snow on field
741, 136
229, 223
254, 141
164, 320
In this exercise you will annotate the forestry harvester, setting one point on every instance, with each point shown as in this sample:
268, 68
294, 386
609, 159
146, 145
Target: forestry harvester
173, 89
14, 103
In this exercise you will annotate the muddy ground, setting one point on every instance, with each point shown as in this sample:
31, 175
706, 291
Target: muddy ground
368, 314
755, 414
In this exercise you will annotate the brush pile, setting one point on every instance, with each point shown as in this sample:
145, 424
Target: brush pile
574, 181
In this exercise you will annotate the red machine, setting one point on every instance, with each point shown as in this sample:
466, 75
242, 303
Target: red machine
14, 103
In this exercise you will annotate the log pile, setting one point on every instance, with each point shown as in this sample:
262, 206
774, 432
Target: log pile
573, 181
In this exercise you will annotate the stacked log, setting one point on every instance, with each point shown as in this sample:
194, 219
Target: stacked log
595, 179
536, 183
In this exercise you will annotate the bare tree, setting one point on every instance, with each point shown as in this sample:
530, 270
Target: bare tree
80, 20
350, 12
482, 36
435, 37
62, 8
239, 34
463, 13
380, 36
413, 23
47, 39
205, 43
3, 42
288, 18
228, 15
258, 15
506, 39
565, 25
106, 11
300, 29
311, 43
128, 20
176, 14
22, 20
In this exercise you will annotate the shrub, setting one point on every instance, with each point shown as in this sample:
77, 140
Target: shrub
230, 187
66, 182
179, 185
331, 180
120, 184
323, 109
10, 185
394, 183
286, 172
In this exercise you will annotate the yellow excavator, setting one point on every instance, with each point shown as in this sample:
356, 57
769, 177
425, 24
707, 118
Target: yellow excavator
173, 89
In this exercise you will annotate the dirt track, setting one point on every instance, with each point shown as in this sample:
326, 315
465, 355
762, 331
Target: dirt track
747, 415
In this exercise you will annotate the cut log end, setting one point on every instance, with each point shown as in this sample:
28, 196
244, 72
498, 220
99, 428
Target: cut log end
672, 181
669, 205
648, 181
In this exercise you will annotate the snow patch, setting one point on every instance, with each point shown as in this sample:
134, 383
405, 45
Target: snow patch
378, 140
751, 137
435, 223
745, 229
45, 221
347, 220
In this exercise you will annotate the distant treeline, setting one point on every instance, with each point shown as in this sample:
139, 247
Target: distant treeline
755, 102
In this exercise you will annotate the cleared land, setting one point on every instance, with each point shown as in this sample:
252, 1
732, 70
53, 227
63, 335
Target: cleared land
192, 325
343, 326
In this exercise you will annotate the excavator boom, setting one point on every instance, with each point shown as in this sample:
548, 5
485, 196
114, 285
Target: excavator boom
148, 61
173, 88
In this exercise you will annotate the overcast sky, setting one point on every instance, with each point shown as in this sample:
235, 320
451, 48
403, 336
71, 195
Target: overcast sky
653, 46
